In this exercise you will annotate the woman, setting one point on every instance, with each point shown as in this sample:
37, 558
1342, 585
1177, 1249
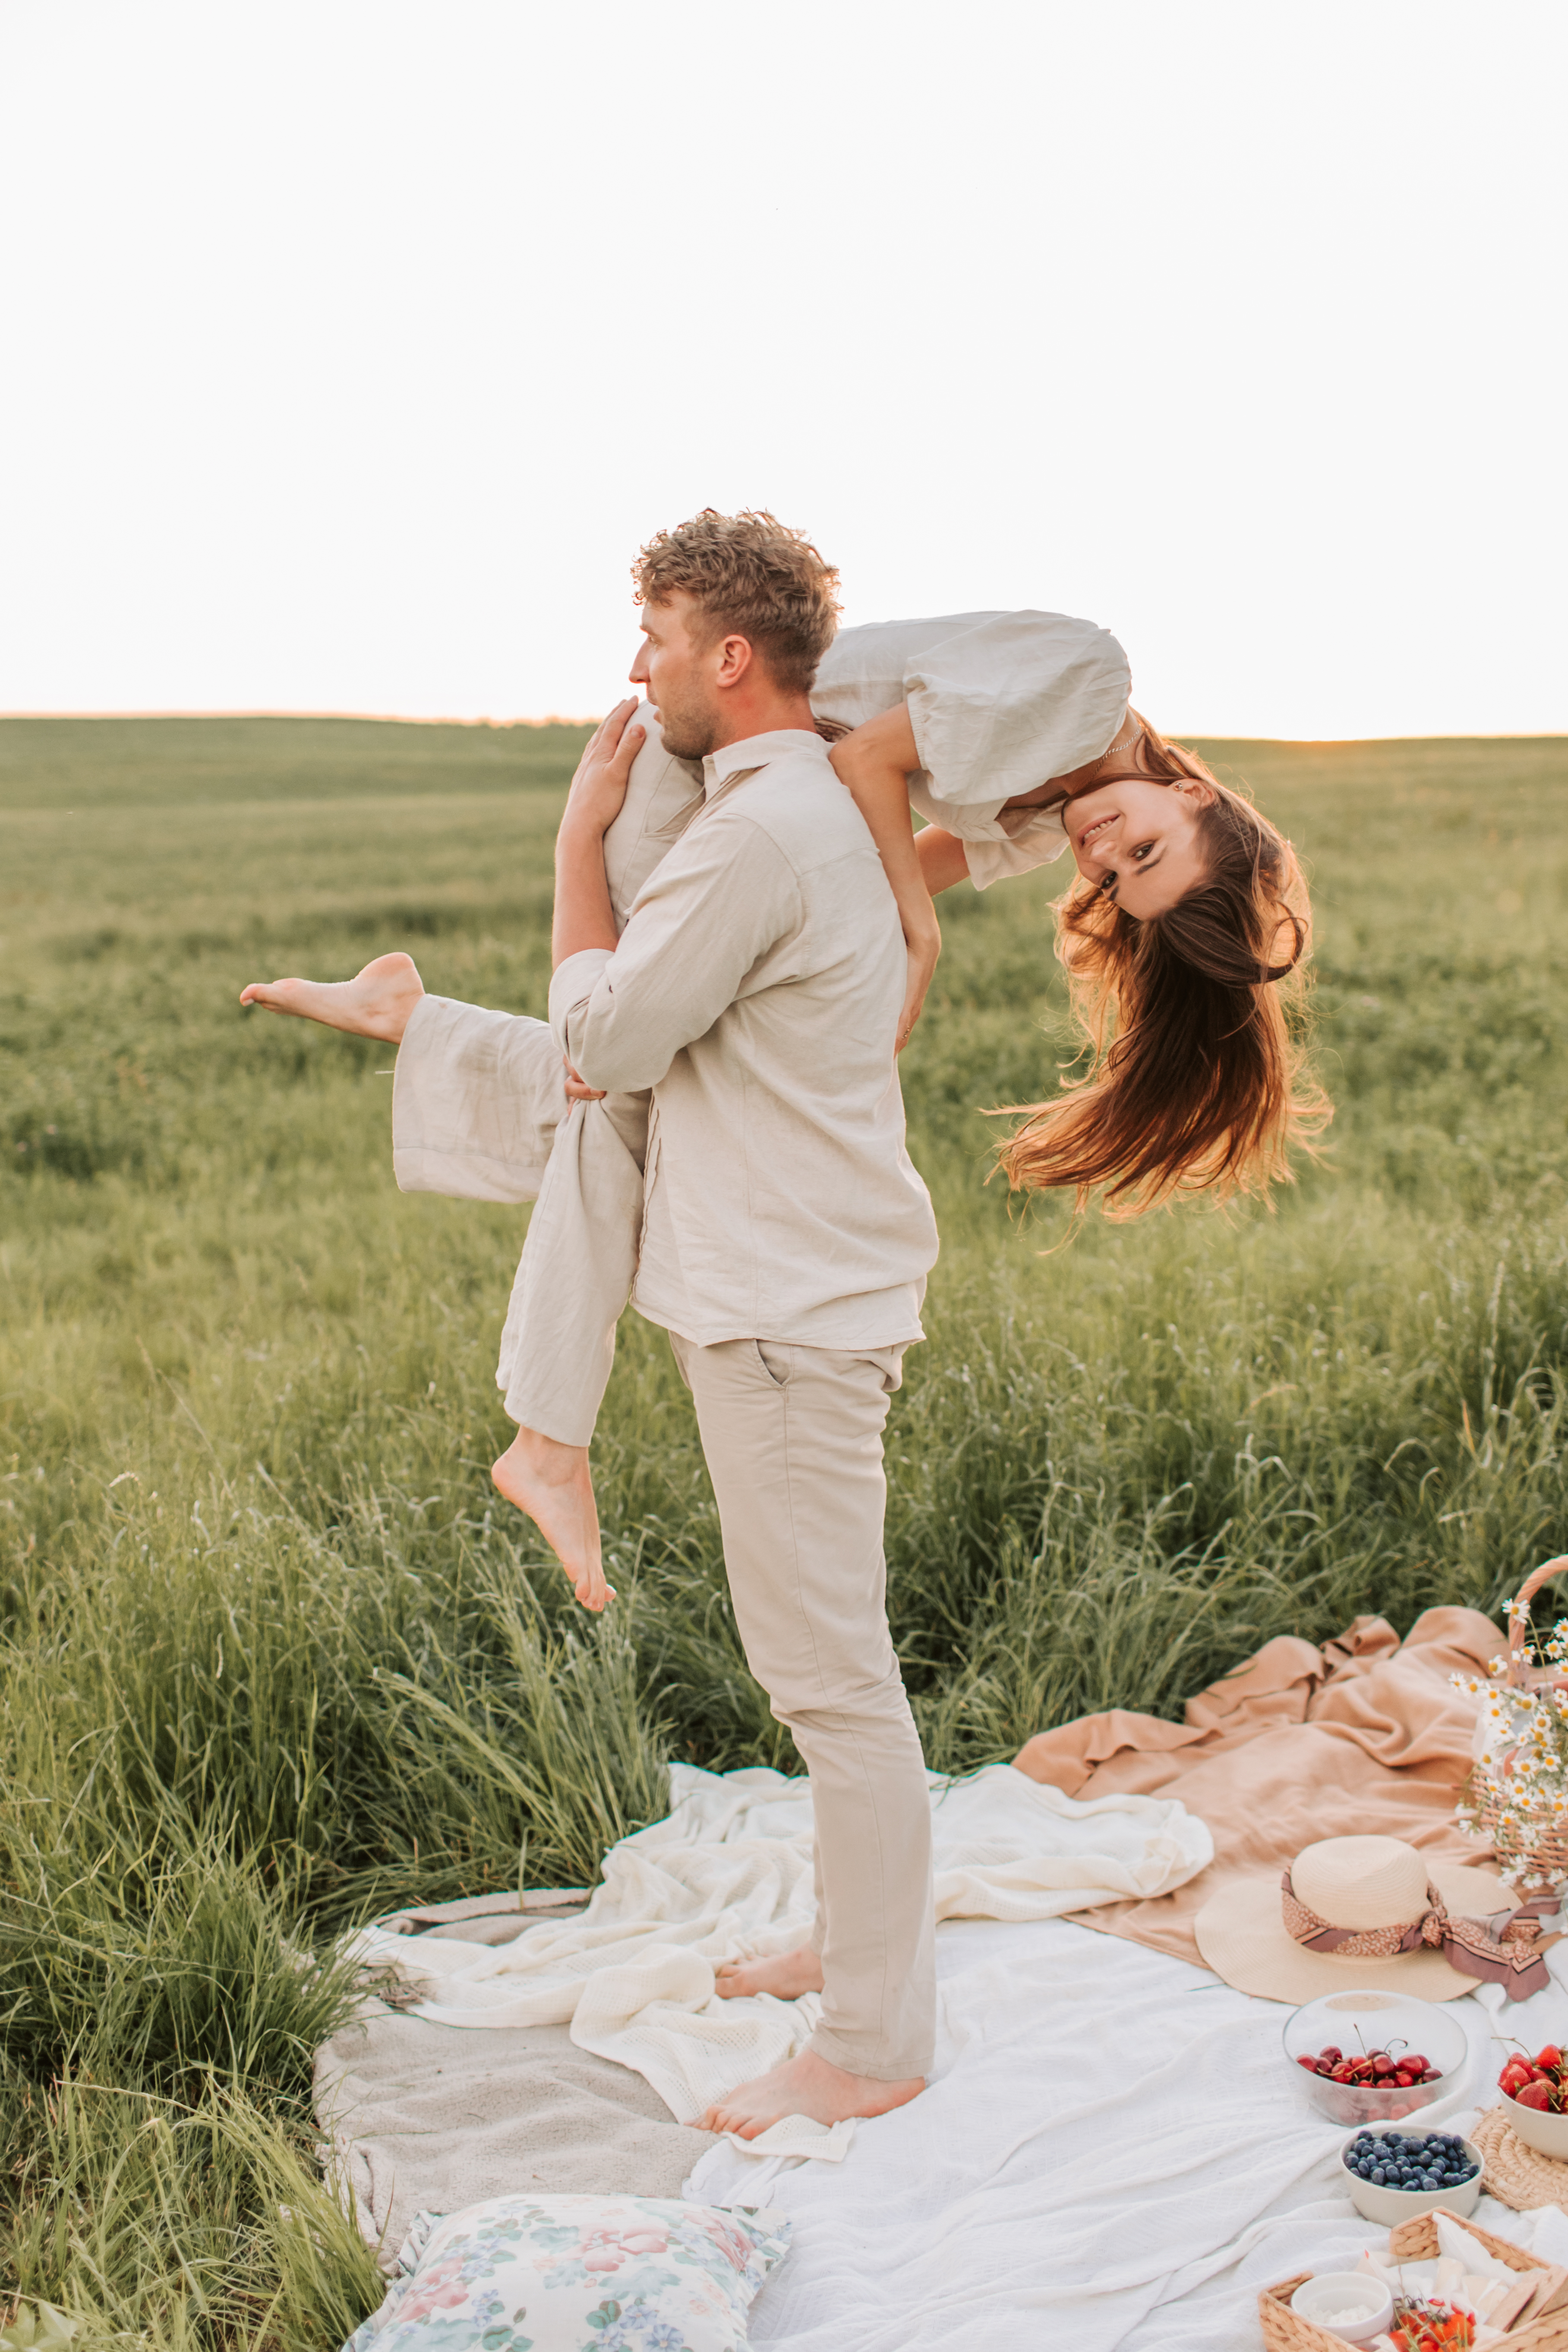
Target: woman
1012, 734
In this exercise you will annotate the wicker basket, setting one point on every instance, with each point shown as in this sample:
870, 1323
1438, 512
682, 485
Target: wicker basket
1535, 1853
1546, 2330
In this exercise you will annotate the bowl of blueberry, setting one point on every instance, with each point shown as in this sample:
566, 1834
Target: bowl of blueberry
1373, 2057
1393, 2173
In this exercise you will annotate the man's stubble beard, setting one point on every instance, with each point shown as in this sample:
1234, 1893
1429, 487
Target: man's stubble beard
689, 727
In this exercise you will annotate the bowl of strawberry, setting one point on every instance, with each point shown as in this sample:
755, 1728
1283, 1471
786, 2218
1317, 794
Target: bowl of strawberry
1373, 2057
1535, 2098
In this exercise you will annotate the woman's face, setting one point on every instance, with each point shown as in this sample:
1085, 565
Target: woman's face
1139, 841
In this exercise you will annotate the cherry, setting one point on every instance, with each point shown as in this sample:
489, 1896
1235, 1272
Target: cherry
1414, 2065
1310, 2064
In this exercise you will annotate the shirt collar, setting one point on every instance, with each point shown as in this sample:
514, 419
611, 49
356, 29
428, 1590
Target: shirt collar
754, 751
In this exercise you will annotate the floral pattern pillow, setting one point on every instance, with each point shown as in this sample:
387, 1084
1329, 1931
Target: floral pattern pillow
578, 2274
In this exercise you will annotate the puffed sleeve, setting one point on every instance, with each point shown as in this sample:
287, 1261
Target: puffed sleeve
1020, 698
999, 701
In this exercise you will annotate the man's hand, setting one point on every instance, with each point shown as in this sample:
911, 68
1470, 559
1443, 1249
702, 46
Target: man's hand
599, 786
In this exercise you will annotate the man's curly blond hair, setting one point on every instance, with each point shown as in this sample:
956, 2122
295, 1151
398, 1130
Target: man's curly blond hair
749, 576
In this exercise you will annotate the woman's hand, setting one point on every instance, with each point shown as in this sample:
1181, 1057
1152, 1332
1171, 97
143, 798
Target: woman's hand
599, 787
923, 948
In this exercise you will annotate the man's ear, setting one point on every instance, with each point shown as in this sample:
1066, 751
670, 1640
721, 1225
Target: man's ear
736, 656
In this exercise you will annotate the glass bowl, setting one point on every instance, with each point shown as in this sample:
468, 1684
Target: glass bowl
1359, 2019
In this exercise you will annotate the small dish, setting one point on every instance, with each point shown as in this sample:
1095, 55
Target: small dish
1322, 2301
1547, 2133
1361, 2019
1376, 2202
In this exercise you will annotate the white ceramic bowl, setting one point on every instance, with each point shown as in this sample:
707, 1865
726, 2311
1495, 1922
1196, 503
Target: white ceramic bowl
1359, 2019
1547, 2133
1392, 2206
1319, 2299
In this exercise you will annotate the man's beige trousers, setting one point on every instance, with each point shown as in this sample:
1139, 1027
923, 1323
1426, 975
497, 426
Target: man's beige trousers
792, 1438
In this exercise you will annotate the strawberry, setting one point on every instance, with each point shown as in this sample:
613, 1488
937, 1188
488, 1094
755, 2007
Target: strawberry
1549, 2059
1535, 2094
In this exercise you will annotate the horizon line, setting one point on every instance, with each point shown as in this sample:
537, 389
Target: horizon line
592, 719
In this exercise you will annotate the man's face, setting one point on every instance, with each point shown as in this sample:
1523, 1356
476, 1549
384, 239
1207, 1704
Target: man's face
678, 674
1139, 841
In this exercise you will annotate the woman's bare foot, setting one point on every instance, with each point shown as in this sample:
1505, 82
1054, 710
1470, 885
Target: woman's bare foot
550, 1483
786, 1976
376, 1002
806, 2086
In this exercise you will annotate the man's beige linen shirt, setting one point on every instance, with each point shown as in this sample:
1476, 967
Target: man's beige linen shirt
756, 989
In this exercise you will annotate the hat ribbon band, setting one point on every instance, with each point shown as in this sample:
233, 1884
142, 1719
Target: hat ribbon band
1502, 1949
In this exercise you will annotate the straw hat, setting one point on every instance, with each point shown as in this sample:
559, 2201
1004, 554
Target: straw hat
1356, 1885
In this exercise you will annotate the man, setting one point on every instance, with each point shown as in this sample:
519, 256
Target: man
756, 989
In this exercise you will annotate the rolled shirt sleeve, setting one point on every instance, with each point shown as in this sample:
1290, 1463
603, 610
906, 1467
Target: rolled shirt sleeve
720, 901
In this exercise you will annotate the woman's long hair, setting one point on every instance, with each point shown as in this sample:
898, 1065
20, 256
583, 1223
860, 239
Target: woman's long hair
1198, 1082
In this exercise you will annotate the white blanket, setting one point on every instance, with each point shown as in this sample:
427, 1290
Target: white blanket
1113, 2154
728, 1874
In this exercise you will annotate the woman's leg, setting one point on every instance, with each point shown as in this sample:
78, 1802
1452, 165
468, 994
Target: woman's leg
480, 1112
581, 1253
559, 1343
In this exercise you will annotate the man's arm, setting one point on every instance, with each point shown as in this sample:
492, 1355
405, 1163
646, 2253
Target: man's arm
723, 897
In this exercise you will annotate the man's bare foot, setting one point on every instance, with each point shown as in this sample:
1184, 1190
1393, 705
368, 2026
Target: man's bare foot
376, 1002
806, 2086
786, 1976
550, 1483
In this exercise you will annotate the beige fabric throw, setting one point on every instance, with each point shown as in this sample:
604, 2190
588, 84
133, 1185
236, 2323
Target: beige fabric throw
1364, 1736
425, 2117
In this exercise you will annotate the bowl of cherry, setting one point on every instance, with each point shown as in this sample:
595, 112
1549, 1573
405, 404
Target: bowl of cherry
1535, 2099
1372, 2057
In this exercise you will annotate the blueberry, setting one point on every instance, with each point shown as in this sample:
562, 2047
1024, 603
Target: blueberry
1377, 2176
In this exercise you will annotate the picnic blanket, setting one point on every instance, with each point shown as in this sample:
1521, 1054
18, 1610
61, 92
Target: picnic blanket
1113, 2155
422, 2116
1365, 1734
728, 1874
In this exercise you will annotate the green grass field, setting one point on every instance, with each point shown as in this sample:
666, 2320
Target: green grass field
276, 1658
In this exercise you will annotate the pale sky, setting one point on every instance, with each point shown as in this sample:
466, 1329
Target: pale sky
351, 347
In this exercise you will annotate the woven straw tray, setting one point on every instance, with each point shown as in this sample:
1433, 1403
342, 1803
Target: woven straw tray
1516, 2174
1417, 2241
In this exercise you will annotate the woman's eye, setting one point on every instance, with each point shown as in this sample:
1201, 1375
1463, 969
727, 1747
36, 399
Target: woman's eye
1143, 849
